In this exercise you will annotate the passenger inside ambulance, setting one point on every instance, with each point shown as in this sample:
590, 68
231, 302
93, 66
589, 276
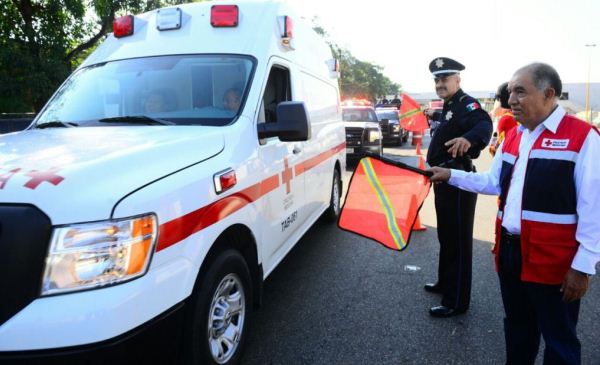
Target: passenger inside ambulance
159, 100
232, 99
183, 90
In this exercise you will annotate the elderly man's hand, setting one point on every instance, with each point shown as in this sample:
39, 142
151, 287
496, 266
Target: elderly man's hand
440, 174
458, 146
574, 286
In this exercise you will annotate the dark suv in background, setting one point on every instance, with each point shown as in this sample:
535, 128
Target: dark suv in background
389, 123
362, 130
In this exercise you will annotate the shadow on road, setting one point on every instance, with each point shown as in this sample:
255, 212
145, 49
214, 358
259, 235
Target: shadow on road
341, 299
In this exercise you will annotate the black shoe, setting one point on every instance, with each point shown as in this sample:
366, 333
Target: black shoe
443, 312
433, 288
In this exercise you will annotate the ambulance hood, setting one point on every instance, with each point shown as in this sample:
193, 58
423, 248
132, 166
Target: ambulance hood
79, 174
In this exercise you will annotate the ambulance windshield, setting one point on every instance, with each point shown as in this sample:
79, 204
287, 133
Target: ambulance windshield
180, 90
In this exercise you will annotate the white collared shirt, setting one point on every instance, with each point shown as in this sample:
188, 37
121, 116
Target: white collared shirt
587, 182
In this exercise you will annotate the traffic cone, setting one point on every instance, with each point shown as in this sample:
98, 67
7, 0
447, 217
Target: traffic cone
418, 147
417, 226
421, 163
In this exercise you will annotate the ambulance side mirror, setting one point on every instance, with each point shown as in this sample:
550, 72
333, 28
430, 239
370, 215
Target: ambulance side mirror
292, 123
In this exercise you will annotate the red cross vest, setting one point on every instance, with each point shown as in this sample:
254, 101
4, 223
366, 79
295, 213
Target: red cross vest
549, 205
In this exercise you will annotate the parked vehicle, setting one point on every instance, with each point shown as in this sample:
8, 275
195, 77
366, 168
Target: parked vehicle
391, 130
163, 182
363, 133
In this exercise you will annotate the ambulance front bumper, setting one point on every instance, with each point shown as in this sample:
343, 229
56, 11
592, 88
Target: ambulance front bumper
94, 320
154, 342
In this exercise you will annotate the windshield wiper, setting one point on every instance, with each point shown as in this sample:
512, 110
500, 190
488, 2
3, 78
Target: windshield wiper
56, 124
136, 119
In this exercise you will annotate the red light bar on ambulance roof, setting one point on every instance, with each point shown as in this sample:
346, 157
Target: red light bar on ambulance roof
123, 26
224, 16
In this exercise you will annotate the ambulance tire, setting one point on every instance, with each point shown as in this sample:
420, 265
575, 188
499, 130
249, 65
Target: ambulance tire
333, 212
227, 281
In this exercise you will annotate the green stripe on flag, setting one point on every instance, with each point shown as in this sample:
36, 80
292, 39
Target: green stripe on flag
385, 202
409, 113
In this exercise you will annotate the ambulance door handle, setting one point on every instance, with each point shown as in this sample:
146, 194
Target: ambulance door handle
297, 149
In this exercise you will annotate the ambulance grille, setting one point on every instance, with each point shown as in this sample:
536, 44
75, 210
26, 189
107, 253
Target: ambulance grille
354, 136
24, 238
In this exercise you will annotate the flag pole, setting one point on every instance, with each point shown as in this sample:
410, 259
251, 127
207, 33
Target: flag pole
400, 164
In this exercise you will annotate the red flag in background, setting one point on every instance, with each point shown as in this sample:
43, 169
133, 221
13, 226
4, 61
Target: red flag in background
411, 117
383, 200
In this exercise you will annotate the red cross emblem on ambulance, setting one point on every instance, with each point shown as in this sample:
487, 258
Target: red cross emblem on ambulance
38, 177
287, 176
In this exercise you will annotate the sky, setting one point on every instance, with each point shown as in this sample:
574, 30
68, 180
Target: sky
492, 38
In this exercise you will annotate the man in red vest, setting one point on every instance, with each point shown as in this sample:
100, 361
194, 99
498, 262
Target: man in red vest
548, 225
507, 120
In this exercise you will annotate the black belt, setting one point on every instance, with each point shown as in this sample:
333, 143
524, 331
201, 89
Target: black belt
510, 237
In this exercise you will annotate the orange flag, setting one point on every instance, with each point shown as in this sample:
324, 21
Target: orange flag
411, 117
383, 200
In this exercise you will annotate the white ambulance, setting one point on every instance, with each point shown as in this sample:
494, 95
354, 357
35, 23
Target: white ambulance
163, 182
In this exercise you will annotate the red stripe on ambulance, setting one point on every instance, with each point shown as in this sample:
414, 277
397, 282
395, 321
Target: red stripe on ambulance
312, 162
180, 228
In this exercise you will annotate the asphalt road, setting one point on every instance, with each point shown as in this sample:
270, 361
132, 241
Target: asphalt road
341, 299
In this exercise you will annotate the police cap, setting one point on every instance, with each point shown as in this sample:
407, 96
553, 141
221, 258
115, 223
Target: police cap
443, 66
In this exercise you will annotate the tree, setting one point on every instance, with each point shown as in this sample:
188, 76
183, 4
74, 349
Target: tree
363, 79
42, 41
359, 79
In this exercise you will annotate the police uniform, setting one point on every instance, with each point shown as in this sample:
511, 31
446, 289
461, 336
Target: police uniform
462, 116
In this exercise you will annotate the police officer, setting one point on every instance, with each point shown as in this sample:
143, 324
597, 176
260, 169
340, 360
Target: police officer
464, 130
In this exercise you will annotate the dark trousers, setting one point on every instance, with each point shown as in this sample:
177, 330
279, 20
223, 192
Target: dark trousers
455, 211
533, 309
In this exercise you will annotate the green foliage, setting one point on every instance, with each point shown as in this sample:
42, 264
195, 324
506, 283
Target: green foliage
359, 79
43, 41
362, 79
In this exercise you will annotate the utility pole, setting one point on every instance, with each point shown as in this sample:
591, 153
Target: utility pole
588, 117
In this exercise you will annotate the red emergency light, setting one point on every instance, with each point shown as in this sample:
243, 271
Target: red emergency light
288, 27
224, 16
357, 102
123, 26
224, 180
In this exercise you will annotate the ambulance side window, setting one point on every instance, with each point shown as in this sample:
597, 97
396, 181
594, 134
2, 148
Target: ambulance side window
278, 89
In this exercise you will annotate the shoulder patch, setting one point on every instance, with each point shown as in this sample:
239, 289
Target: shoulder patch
473, 106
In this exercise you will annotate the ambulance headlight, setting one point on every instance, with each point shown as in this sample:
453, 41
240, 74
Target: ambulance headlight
374, 135
91, 255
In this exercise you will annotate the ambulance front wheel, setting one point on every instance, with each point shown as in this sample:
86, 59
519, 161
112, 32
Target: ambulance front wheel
216, 325
332, 213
